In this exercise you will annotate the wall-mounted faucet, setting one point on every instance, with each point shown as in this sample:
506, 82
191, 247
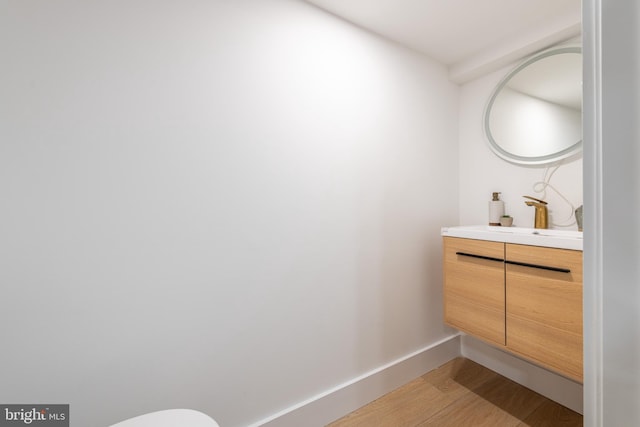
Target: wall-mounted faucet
542, 215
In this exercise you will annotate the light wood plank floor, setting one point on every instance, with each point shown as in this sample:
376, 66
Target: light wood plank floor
461, 393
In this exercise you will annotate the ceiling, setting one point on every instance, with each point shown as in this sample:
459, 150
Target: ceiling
469, 36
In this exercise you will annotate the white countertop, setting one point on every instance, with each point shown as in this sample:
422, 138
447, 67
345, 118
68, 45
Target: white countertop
564, 239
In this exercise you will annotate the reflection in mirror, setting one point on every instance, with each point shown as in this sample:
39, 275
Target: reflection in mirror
534, 116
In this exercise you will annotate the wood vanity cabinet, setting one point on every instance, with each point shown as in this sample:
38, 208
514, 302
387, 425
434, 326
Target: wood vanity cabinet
525, 299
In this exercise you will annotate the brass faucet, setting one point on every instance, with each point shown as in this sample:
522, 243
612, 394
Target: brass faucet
542, 215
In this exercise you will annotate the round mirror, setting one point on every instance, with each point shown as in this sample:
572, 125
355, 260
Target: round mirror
534, 115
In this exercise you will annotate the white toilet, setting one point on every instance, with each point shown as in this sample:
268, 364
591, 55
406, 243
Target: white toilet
170, 418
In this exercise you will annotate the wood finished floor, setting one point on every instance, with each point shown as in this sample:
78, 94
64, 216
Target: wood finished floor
458, 394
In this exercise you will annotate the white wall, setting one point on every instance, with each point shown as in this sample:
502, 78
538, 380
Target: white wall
223, 205
482, 172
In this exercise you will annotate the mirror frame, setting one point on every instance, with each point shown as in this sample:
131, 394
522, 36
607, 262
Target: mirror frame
526, 160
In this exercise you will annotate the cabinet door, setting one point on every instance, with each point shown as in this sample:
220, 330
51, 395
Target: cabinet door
544, 307
474, 299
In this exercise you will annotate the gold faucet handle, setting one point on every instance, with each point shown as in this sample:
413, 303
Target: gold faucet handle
537, 200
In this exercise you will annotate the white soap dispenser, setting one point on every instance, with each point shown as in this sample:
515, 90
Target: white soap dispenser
496, 209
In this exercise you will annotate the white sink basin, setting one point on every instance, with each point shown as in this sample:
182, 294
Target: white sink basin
536, 231
565, 239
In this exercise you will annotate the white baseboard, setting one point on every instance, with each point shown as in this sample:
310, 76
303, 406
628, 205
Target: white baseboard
551, 385
332, 404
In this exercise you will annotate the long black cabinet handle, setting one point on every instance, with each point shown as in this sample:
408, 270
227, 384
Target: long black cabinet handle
523, 264
480, 256
542, 267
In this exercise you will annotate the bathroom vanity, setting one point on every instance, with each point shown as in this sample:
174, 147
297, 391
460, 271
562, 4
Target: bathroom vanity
519, 290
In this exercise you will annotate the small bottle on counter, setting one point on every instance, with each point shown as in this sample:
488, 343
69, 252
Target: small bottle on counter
496, 209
